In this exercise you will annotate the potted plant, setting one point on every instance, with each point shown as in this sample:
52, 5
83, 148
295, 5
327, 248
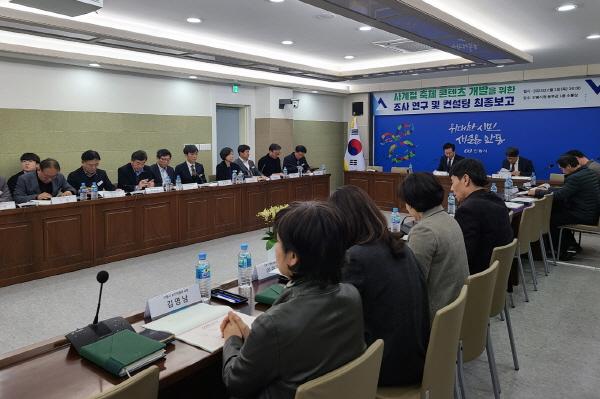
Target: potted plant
268, 216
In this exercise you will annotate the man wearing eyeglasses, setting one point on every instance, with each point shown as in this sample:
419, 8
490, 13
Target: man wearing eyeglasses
161, 169
45, 183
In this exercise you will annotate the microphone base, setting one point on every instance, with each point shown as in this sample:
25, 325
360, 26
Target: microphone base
94, 332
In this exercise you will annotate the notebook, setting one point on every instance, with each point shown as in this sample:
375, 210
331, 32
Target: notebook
123, 352
198, 325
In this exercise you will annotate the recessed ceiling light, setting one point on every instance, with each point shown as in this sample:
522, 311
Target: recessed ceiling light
193, 77
314, 92
593, 36
566, 7
194, 20
349, 57
324, 16
365, 28
414, 74
465, 69
94, 65
276, 1
287, 42
499, 66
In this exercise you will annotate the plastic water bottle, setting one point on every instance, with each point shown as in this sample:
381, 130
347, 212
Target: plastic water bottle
323, 169
240, 177
494, 188
533, 179
167, 183
508, 186
244, 270
300, 170
395, 220
82, 192
285, 172
410, 168
451, 203
203, 277
94, 191
178, 185
234, 179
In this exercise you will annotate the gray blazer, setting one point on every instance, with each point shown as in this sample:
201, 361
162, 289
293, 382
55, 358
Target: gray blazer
438, 244
4, 191
309, 331
248, 173
28, 188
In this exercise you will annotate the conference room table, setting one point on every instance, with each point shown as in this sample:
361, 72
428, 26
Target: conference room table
42, 241
53, 370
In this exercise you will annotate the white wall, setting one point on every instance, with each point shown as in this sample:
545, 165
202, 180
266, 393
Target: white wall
319, 107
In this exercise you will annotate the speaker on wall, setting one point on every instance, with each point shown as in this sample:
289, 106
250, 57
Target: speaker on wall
357, 108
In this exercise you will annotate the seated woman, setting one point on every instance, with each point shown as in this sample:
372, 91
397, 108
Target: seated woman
227, 166
391, 284
436, 240
314, 327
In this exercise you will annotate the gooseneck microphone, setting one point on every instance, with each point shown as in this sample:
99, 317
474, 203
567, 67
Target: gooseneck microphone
101, 277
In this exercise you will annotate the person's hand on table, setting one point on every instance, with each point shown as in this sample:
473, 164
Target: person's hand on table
515, 173
64, 194
230, 328
44, 196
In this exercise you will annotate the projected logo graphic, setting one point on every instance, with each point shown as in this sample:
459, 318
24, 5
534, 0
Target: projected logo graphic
399, 148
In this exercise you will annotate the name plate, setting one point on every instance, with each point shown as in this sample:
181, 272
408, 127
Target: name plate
264, 270
189, 186
111, 194
8, 205
276, 177
293, 175
318, 173
154, 190
252, 179
174, 300
222, 183
63, 200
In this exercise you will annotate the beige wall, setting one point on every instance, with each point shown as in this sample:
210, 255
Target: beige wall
64, 135
273, 130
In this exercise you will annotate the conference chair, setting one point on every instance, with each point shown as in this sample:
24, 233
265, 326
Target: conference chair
143, 385
475, 330
440, 361
578, 228
539, 212
356, 379
546, 214
557, 178
374, 168
401, 170
504, 255
526, 236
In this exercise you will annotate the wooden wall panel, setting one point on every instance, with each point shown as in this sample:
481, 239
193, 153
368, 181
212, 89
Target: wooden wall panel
254, 202
118, 230
278, 194
227, 210
159, 223
194, 218
16, 248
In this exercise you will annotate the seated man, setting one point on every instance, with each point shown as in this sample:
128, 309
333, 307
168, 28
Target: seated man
135, 175
518, 166
5, 194
482, 215
585, 161
449, 158
296, 160
29, 163
576, 202
270, 163
190, 171
43, 184
161, 169
89, 173
245, 163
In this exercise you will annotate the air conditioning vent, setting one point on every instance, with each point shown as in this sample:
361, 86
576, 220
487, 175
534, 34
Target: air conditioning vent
402, 45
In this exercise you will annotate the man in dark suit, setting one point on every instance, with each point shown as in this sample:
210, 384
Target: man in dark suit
89, 173
482, 215
449, 158
296, 160
136, 175
518, 166
190, 171
245, 163
270, 163
161, 169
29, 163
43, 184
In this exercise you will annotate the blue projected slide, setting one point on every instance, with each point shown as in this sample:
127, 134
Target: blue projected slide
540, 135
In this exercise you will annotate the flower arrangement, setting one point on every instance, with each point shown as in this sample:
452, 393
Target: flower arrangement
268, 216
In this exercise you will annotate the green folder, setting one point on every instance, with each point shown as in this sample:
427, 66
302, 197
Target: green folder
123, 352
269, 294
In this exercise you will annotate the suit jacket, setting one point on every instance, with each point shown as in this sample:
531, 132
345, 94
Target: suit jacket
28, 188
183, 171
437, 242
485, 224
403, 323
128, 180
158, 177
12, 182
248, 173
443, 166
224, 172
525, 166
309, 331
100, 178
5, 194
292, 164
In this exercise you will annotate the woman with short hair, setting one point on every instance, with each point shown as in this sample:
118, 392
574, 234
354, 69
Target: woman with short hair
227, 166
